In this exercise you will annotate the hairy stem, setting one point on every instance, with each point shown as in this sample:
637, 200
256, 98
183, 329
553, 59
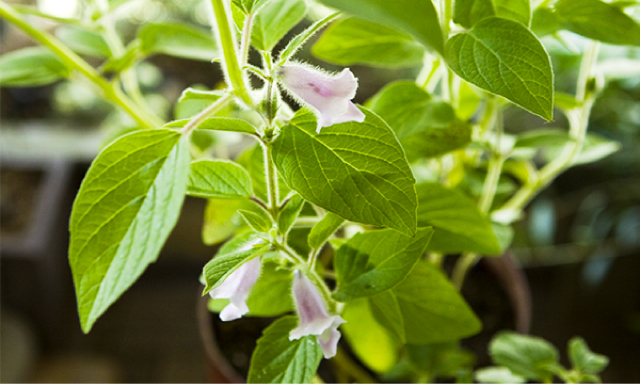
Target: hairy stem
72, 60
226, 40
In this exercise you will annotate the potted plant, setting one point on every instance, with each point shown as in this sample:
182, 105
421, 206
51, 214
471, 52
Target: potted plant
339, 219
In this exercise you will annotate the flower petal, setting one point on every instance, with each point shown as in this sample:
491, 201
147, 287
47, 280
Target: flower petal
236, 287
328, 340
310, 306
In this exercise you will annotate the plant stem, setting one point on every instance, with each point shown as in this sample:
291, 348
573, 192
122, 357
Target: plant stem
226, 40
205, 113
578, 122
468, 260
72, 60
272, 181
245, 44
445, 17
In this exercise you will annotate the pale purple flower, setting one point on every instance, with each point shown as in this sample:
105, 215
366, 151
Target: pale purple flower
313, 315
236, 287
330, 95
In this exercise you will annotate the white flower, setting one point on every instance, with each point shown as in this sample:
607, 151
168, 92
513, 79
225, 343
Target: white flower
236, 287
313, 315
329, 95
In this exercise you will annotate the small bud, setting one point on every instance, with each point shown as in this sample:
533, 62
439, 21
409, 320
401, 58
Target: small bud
236, 287
329, 95
314, 317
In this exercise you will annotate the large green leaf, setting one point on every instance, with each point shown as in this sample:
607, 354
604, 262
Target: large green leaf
598, 20
356, 170
425, 127
218, 178
372, 262
365, 334
504, 57
127, 205
459, 225
177, 39
30, 67
84, 41
355, 41
530, 357
416, 17
231, 256
518, 10
425, 308
277, 359
274, 20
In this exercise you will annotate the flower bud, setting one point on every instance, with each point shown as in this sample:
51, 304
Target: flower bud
313, 315
236, 287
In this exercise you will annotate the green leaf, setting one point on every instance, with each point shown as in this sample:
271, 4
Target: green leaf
271, 295
84, 41
425, 127
274, 20
441, 359
468, 12
594, 148
126, 60
356, 170
231, 256
598, 20
299, 40
355, 41
277, 359
227, 124
249, 6
542, 137
199, 94
127, 205
177, 39
545, 22
218, 178
257, 219
503, 57
459, 225
498, 375
252, 160
583, 359
221, 219
30, 67
431, 308
415, 17
530, 357
365, 334
518, 10
323, 230
289, 213
386, 309
375, 261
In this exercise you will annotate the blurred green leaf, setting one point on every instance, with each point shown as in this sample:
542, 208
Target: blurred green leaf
415, 17
84, 41
498, 375
178, 39
355, 41
598, 20
274, 20
583, 359
30, 67
530, 357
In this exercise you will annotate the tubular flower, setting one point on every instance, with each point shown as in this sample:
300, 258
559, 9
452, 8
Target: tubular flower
330, 95
314, 317
236, 287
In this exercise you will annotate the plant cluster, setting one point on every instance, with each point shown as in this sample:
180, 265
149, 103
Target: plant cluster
340, 214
